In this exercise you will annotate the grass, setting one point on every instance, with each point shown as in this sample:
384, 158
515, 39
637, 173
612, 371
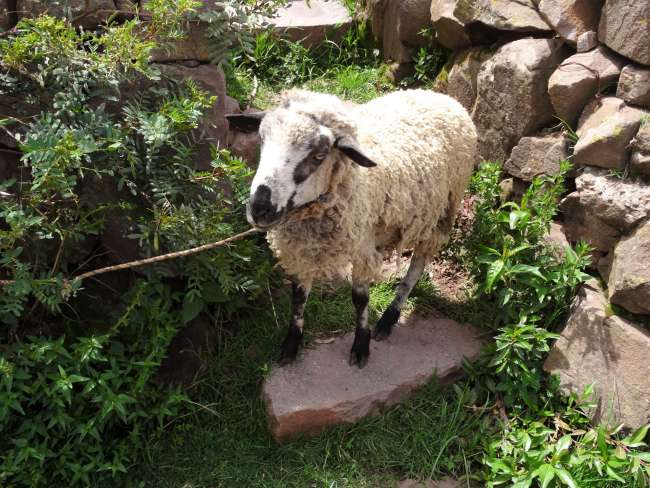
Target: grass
224, 442
347, 65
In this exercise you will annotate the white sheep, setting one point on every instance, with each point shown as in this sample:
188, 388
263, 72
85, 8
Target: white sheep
339, 186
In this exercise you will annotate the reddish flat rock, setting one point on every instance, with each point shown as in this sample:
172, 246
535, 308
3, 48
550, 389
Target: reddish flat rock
311, 21
321, 389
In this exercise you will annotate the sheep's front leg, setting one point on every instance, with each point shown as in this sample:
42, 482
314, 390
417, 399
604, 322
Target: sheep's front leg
361, 345
291, 344
390, 317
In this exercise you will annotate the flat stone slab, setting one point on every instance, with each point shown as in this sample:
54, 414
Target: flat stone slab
321, 389
310, 21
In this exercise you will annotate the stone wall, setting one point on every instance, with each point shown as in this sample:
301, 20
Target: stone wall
546, 81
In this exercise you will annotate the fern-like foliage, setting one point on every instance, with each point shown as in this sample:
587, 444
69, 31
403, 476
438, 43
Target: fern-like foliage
233, 24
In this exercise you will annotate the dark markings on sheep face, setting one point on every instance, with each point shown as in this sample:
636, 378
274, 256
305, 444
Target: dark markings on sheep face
262, 211
318, 151
291, 204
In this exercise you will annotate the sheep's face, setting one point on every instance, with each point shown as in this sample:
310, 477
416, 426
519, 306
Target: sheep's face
295, 166
296, 162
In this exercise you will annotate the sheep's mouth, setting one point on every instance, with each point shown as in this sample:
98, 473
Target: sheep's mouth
270, 225
306, 210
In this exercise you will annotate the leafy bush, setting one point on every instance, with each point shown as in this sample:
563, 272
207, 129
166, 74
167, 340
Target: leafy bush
563, 449
546, 439
531, 283
74, 411
104, 138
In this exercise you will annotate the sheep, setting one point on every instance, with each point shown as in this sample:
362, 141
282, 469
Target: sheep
338, 187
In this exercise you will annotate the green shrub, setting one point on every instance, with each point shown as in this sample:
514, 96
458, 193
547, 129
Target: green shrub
531, 283
78, 359
428, 61
73, 411
546, 439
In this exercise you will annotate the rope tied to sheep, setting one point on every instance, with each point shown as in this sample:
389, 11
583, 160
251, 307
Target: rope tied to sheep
155, 259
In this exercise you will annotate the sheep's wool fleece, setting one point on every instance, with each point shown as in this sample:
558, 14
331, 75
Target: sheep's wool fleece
424, 144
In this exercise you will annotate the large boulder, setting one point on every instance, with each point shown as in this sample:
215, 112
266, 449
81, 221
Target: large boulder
579, 78
87, 13
609, 352
634, 85
603, 208
486, 20
629, 278
640, 157
571, 18
624, 28
587, 41
539, 155
556, 239
463, 74
213, 128
193, 47
512, 99
605, 130
310, 22
450, 32
398, 24
322, 390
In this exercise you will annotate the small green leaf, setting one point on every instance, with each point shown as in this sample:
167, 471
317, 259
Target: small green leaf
493, 273
192, 306
637, 437
566, 478
613, 475
546, 473
563, 444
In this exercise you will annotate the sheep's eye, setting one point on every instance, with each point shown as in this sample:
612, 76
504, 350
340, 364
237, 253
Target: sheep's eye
320, 156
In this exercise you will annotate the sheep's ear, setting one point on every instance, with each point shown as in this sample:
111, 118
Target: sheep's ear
246, 122
351, 149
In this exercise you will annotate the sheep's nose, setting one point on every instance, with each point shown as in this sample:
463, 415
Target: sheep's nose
262, 211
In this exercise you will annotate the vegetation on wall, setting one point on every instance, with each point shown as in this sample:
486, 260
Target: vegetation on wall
544, 439
104, 139
348, 66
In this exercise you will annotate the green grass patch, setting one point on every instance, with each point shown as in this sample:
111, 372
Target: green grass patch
348, 66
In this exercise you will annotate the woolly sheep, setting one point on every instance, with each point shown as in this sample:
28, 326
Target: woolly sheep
339, 186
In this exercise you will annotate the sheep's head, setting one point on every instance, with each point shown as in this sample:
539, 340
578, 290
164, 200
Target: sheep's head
300, 148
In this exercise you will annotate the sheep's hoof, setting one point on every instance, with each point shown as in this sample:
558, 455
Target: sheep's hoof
290, 346
384, 327
360, 348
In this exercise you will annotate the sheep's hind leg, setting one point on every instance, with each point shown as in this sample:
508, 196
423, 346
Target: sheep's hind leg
291, 344
361, 345
390, 317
